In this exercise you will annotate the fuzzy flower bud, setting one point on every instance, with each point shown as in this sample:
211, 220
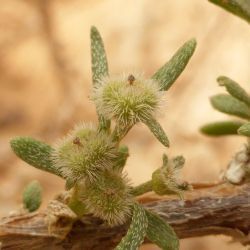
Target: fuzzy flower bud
83, 154
129, 99
165, 179
109, 198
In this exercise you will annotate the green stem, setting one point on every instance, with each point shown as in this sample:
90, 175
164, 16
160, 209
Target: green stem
75, 204
119, 132
142, 188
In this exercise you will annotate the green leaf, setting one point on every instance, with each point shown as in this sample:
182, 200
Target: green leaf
230, 105
234, 89
157, 130
99, 68
245, 129
169, 72
35, 153
137, 230
161, 233
98, 57
240, 8
221, 128
32, 196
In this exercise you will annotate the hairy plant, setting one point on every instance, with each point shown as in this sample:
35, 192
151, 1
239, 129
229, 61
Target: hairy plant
237, 103
91, 158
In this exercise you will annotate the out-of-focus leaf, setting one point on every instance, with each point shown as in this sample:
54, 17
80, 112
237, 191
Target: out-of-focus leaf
239, 8
245, 129
170, 71
234, 89
32, 196
230, 105
221, 128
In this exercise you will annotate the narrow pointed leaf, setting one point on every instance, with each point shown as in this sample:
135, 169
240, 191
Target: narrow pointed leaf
32, 196
35, 153
234, 89
137, 230
98, 57
157, 130
240, 8
245, 129
221, 128
99, 68
169, 72
161, 233
230, 105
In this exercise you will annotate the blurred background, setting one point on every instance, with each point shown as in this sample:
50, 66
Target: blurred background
45, 83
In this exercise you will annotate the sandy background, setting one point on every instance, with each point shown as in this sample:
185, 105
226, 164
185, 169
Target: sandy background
45, 80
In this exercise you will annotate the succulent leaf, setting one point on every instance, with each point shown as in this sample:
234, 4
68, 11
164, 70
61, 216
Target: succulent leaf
98, 57
161, 233
221, 128
230, 105
234, 89
99, 68
36, 153
245, 129
169, 72
239, 8
137, 230
32, 196
157, 130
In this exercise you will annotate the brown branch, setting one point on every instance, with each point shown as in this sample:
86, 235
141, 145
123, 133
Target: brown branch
220, 209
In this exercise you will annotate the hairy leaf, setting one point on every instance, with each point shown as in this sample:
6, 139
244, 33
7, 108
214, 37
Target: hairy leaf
32, 196
239, 8
245, 129
234, 89
169, 72
221, 128
230, 105
137, 230
99, 68
35, 153
157, 130
98, 57
161, 233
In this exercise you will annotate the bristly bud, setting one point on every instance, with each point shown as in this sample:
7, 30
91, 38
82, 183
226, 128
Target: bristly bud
165, 179
128, 100
83, 153
109, 198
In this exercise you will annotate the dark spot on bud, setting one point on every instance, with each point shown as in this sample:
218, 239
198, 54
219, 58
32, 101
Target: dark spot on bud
131, 79
77, 141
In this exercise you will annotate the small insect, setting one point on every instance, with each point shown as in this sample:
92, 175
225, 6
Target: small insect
131, 79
